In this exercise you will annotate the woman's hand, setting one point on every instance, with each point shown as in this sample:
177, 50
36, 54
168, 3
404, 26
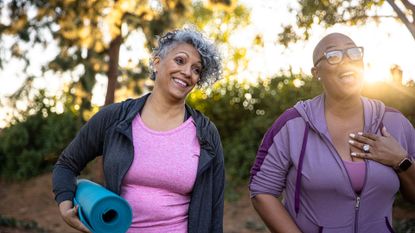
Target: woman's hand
383, 149
70, 216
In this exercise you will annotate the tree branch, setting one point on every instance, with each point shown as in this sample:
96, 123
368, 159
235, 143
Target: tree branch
402, 17
373, 17
408, 5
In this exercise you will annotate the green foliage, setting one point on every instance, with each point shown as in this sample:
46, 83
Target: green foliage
19, 224
243, 112
394, 95
31, 145
328, 13
404, 225
88, 35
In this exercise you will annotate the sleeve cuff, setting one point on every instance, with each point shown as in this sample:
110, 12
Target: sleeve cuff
64, 196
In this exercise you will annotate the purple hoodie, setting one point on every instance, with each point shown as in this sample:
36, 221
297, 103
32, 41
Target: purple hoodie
297, 160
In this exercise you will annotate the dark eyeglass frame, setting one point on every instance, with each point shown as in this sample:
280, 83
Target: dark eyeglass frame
343, 52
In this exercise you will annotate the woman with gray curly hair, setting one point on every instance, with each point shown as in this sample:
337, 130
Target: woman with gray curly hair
162, 156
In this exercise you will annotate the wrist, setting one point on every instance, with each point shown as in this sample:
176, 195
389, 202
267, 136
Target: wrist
404, 164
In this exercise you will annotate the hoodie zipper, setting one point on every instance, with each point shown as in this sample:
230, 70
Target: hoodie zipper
357, 197
356, 214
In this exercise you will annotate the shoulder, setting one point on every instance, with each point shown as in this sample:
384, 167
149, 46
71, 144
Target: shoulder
117, 112
285, 118
393, 115
397, 124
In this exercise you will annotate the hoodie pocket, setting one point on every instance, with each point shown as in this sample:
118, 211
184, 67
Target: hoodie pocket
380, 225
341, 229
388, 225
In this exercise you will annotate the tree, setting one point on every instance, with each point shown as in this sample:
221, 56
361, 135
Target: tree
89, 34
328, 13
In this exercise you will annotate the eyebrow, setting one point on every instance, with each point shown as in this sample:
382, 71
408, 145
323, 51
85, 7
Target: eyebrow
200, 61
333, 46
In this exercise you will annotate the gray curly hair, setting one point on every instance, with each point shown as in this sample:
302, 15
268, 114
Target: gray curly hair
211, 59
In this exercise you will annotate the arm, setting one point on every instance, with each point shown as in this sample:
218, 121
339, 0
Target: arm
84, 147
268, 179
407, 179
273, 213
218, 184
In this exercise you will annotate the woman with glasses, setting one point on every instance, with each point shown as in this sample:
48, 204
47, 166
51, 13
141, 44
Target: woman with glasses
337, 160
159, 154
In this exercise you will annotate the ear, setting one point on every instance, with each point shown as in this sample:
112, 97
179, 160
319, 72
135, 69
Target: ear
314, 72
156, 62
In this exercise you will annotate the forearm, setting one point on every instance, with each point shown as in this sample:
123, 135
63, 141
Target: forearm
407, 180
274, 214
64, 183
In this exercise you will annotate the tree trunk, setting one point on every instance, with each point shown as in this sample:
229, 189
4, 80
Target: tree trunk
114, 53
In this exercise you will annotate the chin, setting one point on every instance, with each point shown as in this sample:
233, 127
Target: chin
179, 95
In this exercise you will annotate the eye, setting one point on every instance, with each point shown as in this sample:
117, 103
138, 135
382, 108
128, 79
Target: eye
334, 56
179, 60
355, 53
197, 70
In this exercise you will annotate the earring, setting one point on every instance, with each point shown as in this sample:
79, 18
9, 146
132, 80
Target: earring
318, 78
153, 75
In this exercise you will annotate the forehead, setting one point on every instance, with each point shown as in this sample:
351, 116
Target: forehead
337, 41
333, 41
186, 49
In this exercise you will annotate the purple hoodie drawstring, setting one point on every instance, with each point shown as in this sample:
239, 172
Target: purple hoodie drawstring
300, 168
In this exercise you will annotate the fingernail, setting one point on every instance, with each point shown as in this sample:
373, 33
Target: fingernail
353, 154
360, 133
351, 141
352, 135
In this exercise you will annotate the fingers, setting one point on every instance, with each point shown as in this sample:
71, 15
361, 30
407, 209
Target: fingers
363, 147
71, 218
365, 137
361, 155
82, 227
359, 145
385, 132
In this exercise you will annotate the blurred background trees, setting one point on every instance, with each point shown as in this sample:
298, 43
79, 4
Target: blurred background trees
102, 47
329, 13
90, 38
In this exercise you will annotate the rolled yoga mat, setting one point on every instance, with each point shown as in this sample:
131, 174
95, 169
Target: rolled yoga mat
101, 210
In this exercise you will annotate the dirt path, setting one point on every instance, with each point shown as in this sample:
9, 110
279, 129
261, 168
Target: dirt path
32, 200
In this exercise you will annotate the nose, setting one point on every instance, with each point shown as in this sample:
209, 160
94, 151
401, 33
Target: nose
187, 71
345, 60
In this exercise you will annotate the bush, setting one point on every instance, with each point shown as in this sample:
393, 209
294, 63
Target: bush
31, 146
243, 112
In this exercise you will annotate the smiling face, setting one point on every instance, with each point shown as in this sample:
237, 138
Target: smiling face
178, 71
341, 80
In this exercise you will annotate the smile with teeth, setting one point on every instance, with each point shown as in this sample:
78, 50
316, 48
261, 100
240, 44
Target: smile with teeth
180, 82
349, 74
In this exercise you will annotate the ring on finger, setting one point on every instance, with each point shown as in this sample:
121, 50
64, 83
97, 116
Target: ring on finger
366, 148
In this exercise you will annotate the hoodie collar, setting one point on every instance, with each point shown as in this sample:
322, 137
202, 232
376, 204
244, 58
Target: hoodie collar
132, 108
312, 111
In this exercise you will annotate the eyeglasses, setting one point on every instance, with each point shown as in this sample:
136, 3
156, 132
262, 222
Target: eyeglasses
334, 57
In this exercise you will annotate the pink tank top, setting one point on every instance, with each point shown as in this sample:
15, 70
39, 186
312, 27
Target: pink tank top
161, 177
357, 173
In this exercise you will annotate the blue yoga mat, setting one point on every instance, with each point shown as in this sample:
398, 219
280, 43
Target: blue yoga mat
101, 210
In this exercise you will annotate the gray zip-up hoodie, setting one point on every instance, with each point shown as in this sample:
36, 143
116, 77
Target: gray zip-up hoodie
297, 160
109, 133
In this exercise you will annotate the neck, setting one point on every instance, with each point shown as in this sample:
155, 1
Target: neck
343, 107
163, 106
